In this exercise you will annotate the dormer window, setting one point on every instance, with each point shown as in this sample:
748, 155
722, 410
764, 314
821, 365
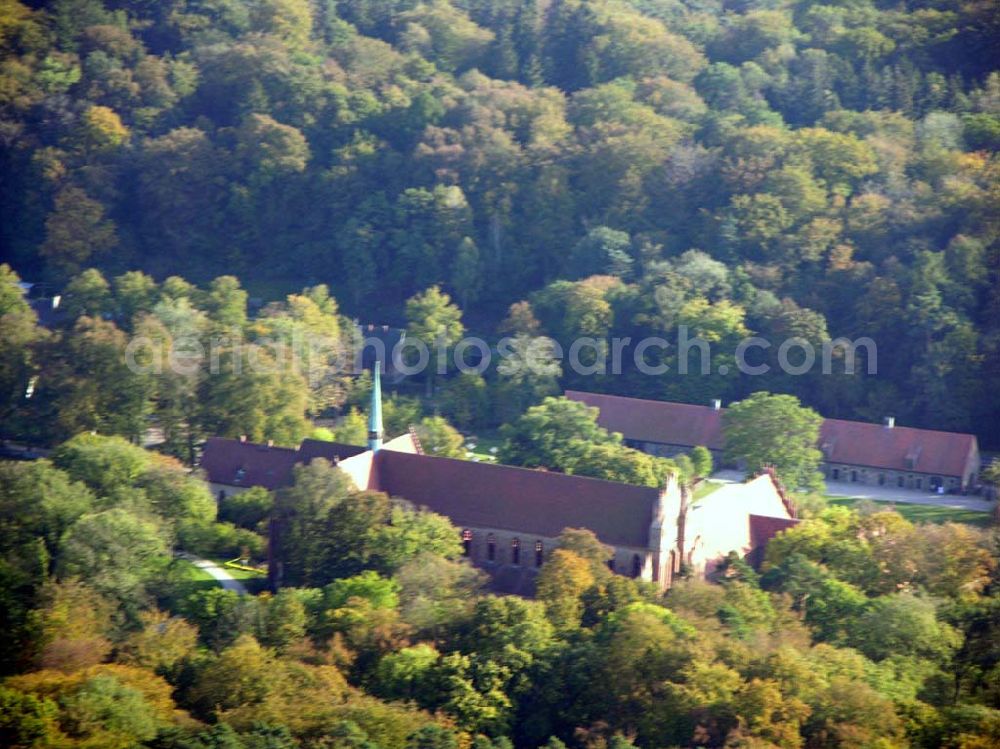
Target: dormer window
240, 475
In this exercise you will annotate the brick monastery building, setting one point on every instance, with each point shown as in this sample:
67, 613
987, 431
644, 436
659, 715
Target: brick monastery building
509, 517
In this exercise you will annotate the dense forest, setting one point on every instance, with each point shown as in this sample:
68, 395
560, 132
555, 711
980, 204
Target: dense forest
252, 174
863, 631
619, 167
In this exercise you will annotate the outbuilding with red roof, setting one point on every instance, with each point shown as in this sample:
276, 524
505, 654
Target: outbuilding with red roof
853, 451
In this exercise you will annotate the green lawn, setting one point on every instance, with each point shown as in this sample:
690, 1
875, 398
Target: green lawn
238, 574
243, 574
484, 441
191, 573
705, 488
254, 582
923, 513
183, 579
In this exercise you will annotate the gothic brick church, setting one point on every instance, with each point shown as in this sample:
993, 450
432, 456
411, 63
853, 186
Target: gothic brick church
509, 517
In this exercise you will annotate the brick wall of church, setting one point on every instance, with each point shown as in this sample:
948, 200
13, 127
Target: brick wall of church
479, 541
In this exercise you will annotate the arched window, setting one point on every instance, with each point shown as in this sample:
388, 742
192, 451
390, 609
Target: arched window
539, 553
636, 565
467, 542
491, 547
515, 551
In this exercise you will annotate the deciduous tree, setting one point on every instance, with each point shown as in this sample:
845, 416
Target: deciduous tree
775, 430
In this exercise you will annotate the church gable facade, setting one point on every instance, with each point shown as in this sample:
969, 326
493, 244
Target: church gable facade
737, 518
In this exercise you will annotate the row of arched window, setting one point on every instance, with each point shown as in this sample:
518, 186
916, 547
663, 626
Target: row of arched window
491, 548
515, 552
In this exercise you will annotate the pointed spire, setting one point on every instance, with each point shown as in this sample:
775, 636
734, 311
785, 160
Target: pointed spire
375, 411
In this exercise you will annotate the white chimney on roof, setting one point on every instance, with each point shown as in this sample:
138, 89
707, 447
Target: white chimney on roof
890, 422
55, 301
716, 404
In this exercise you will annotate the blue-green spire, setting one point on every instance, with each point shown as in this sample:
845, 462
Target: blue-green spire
375, 411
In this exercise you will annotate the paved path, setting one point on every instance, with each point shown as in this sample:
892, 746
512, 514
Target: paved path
226, 580
886, 494
891, 494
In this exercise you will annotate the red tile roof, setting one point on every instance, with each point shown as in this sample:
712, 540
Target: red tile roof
849, 442
238, 463
896, 448
656, 421
311, 448
762, 530
485, 495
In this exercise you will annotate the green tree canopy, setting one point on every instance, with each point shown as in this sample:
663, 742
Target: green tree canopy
775, 430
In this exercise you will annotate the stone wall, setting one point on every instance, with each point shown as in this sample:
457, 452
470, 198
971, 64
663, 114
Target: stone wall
479, 541
912, 480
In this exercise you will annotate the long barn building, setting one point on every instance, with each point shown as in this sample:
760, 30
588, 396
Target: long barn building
853, 451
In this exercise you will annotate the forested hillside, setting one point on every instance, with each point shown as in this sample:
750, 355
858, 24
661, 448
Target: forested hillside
818, 169
223, 180
864, 631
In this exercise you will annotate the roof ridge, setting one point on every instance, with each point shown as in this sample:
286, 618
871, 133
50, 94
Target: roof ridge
898, 427
537, 471
566, 393
248, 443
711, 408
843, 441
